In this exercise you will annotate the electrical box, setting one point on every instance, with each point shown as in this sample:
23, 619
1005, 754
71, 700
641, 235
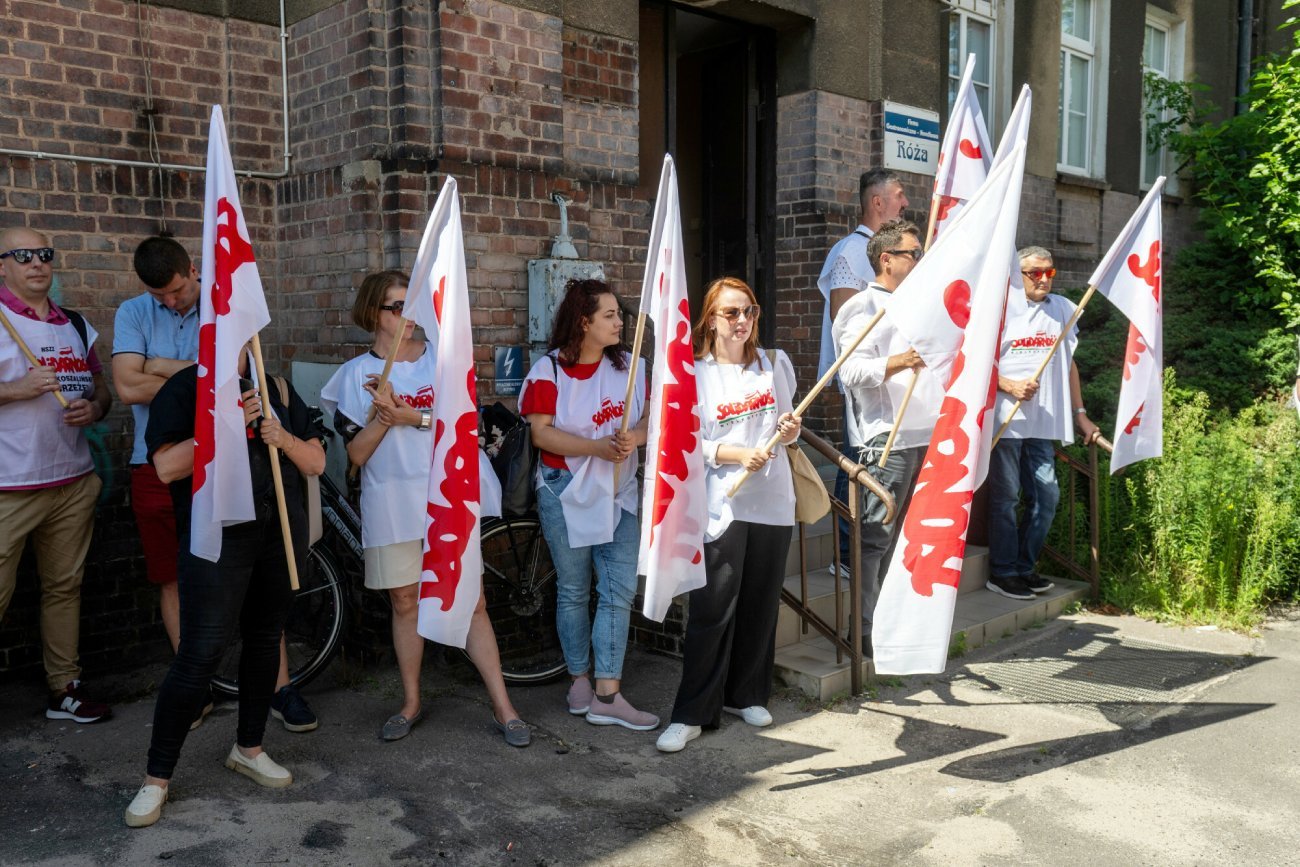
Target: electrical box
546, 281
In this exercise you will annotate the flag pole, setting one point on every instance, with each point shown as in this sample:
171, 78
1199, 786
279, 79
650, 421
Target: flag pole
353, 469
631, 384
1078, 311
816, 390
275, 472
31, 359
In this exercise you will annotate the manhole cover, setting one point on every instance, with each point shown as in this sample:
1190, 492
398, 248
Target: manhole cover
1093, 669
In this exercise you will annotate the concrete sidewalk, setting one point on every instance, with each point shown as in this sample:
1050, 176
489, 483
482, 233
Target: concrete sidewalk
1094, 740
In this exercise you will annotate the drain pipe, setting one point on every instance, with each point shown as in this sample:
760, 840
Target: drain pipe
1245, 28
141, 164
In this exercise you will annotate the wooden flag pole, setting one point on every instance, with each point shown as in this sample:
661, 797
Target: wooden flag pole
929, 229
31, 359
1083, 302
275, 469
631, 384
812, 395
353, 469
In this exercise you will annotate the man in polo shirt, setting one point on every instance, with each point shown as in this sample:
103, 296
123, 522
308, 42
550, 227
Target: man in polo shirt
156, 335
48, 487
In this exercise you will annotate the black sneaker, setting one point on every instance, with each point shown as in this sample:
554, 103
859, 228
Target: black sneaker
1037, 583
1009, 586
72, 704
290, 708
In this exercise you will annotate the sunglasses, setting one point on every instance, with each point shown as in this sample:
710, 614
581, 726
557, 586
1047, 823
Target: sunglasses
916, 253
1040, 273
22, 256
731, 314
396, 307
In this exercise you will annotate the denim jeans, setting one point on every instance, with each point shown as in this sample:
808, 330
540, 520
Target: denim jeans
1019, 468
898, 475
615, 566
249, 588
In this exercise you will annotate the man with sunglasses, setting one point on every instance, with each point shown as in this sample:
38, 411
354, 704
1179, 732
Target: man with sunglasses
875, 379
847, 272
48, 486
1023, 463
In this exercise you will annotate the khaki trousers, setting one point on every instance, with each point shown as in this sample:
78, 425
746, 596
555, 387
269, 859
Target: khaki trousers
59, 521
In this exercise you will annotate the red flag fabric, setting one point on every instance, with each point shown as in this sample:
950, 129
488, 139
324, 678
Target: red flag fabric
438, 300
1130, 276
957, 291
674, 510
964, 155
232, 308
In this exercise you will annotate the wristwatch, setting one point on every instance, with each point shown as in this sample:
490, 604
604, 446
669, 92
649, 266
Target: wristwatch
426, 420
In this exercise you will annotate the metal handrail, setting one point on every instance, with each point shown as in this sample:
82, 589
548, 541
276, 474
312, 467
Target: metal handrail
1092, 571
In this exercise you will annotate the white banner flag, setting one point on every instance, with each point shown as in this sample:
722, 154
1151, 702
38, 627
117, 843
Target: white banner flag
958, 290
1130, 277
964, 155
674, 508
437, 299
232, 309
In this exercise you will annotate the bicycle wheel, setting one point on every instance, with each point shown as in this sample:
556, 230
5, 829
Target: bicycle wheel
312, 631
519, 589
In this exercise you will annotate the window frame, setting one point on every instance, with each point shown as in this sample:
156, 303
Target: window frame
1174, 29
998, 16
1095, 52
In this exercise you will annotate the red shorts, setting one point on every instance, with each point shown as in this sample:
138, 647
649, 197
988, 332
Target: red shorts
151, 502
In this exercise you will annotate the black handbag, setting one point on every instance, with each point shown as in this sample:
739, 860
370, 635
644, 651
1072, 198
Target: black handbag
507, 439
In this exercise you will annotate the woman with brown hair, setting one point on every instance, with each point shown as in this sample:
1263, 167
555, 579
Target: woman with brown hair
394, 449
745, 397
574, 399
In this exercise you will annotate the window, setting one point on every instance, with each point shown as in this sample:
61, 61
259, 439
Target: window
1162, 56
1078, 64
971, 32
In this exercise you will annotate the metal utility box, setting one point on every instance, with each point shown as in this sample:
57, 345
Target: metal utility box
546, 281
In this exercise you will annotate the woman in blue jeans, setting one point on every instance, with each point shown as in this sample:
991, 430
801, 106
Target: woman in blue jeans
575, 400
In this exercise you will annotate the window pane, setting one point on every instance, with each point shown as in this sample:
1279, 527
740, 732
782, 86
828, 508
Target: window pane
955, 59
1154, 53
1076, 19
1078, 140
982, 95
1079, 84
977, 42
1060, 115
1150, 167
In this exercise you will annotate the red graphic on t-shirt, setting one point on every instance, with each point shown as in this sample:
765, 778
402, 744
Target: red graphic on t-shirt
1150, 271
1041, 340
678, 423
608, 412
968, 148
422, 399
752, 402
450, 525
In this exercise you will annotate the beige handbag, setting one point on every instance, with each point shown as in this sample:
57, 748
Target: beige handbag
811, 502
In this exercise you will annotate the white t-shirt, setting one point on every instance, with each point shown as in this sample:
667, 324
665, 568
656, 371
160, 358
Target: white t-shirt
1030, 331
739, 407
395, 480
592, 408
846, 267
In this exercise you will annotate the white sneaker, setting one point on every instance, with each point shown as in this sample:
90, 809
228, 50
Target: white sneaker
262, 770
146, 806
842, 571
755, 715
676, 737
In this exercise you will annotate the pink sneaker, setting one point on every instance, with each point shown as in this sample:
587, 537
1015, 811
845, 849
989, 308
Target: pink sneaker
620, 713
580, 696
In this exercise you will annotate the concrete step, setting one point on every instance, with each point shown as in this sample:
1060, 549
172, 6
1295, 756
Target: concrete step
980, 618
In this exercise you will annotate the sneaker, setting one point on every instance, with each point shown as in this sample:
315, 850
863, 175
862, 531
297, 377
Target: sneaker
290, 708
1009, 586
756, 715
676, 737
1037, 583
620, 713
72, 704
840, 569
580, 696
146, 806
262, 769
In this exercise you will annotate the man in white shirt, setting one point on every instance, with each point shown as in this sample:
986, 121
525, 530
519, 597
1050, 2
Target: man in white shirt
847, 272
875, 379
1024, 461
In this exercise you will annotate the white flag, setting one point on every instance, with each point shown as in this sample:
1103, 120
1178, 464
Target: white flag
232, 309
674, 509
451, 573
964, 155
1130, 277
958, 290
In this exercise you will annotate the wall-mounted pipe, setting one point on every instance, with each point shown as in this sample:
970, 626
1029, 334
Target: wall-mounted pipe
110, 161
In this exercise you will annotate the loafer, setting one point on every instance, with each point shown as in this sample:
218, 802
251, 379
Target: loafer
620, 713
399, 726
755, 715
515, 731
580, 696
146, 806
262, 770
676, 737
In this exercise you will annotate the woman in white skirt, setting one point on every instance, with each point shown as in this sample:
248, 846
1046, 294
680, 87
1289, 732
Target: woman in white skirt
745, 398
394, 449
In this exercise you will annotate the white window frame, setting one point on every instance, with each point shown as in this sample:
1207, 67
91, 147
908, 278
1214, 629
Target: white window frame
997, 15
1174, 29
1094, 51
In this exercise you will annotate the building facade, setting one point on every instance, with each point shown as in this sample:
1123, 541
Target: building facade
344, 122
